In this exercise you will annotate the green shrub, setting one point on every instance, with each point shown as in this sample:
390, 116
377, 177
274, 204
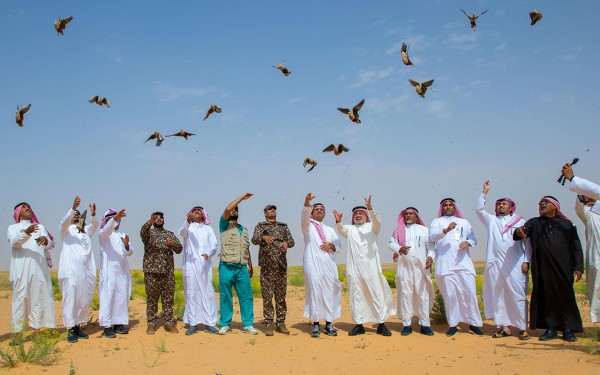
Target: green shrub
296, 280
55, 288
580, 287
438, 313
41, 351
390, 276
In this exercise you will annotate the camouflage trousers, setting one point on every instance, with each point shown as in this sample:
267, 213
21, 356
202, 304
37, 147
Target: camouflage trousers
160, 286
273, 283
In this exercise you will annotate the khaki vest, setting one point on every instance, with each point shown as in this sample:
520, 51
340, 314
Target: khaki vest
235, 248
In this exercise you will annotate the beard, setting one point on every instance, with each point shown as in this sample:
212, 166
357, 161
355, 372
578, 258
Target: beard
159, 226
233, 217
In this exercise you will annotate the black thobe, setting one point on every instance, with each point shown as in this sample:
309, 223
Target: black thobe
556, 255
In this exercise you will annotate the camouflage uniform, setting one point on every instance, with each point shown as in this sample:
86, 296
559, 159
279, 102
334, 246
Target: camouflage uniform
159, 271
273, 267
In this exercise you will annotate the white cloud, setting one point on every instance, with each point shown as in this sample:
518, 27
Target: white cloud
295, 100
370, 75
380, 21
439, 108
501, 46
109, 53
168, 92
462, 41
383, 105
480, 82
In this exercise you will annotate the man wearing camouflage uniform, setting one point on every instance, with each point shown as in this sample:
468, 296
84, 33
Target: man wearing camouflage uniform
159, 271
273, 238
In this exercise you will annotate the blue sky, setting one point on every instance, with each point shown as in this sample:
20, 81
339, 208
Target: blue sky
510, 102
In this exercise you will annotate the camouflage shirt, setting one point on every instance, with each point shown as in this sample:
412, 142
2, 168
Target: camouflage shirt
272, 256
158, 256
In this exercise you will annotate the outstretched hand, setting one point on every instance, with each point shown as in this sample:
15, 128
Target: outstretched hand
567, 171
368, 203
309, 197
76, 203
337, 216
486, 187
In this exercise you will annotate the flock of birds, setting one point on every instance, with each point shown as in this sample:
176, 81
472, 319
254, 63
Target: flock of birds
353, 114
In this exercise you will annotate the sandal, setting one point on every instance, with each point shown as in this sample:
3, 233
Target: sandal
523, 335
501, 333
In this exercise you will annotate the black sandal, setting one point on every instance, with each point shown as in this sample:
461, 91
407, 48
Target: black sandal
523, 335
501, 333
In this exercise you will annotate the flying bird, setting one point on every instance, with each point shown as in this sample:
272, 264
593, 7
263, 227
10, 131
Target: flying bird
283, 69
473, 18
100, 101
353, 115
213, 108
404, 53
182, 133
421, 88
60, 25
310, 161
156, 135
535, 16
19, 115
337, 150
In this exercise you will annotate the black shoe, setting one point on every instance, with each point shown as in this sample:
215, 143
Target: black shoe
426, 331
569, 336
357, 330
120, 329
476, 331
316, 332
406, 331
383, 330
452, 331
109, 333
80, 334
72, 335
550, 334
329, 330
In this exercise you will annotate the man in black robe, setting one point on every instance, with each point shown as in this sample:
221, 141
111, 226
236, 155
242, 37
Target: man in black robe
556, 259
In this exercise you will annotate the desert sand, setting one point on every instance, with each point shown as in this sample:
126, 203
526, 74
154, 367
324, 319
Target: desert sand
298, 353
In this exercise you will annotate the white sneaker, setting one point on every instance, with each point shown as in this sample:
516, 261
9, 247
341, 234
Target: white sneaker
249, 329
224, 330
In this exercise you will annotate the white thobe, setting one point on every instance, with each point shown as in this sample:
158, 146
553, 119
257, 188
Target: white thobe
32, 297
454, 270
322, 284
504, 284
76, 270
591, 220
114, 289
200, 299
413, 282
371, 298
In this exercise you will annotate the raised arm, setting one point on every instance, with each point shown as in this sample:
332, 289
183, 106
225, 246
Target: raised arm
338, 224
229, 209
105, 232
305, 217
66, 222
145, 232
483, 216
183, 229
374, 218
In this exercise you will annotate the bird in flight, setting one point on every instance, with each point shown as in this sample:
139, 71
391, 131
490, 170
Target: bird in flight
353, 115
20, 114
421, 88
310, 161
60, 25
100, 101
283, 69
473, 18
213, 108
182, 133
156, 135
404, 53
337, 149
535, 16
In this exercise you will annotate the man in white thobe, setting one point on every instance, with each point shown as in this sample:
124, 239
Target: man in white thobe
114, 289
454, 270
322, 284
589, 213
77, 270
410, 242
505, 278
32, 298
199, 246
371, 298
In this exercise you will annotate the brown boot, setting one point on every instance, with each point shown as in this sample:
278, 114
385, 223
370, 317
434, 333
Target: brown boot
171, 328
150, 330
269, 329
281, 328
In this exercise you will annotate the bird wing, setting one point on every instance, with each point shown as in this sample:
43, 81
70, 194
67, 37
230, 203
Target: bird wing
306, 161
186, 134
427, 84
343, 148
344, 110
151, 137
65, 21
313, 166
469, 17
210, 110
358, 107
217, 109
329, 148
105, 102
482, 13
25, 109
404, 48
94, 99
159, 139
414, 83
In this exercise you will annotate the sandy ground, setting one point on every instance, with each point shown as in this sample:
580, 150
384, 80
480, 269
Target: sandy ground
298, 353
